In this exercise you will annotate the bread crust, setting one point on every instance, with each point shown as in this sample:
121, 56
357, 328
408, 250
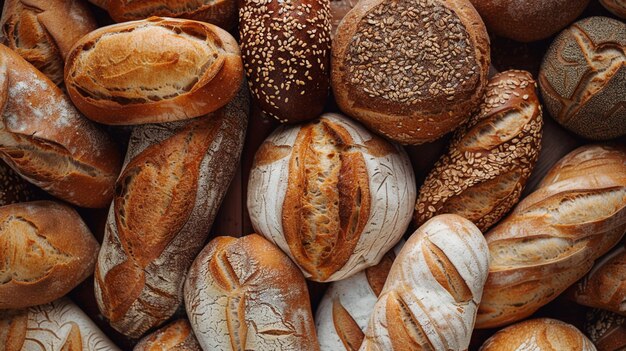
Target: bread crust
176, 336
607, 330
617, 7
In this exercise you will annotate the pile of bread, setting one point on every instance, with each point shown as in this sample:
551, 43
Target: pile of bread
332, 194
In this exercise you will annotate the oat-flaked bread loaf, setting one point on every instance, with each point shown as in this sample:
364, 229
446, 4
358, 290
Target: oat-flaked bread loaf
482, 175
152, 71
176, 336
46, 250
331, 195
607, 330
172, 184
245, 294
553, 236
410, 70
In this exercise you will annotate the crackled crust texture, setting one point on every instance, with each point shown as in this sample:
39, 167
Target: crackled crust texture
553, 236
176, 336
245, 294
490, 158
331, 195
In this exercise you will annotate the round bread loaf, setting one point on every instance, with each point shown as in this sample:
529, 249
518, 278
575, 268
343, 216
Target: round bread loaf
525, 20
410, 70
286, 51
13, 188
176, 336
617, 7
606, 330
583, 78
331, 195
152, 71
338, 10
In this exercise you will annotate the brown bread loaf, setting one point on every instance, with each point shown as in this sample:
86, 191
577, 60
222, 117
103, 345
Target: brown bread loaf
338, 10
617, 7
606, 330
13, 188
176, 336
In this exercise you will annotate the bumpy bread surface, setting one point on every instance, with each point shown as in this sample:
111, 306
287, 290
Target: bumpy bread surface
331, 195
539, 334
46, 250
167, 196
617, 7
56, 326
48, 142
286, 50
13, 188
245, 294
606, 330
431, 295
583, 76
553, 236
176, 336
43, 31
410, 70
482, 175
338, 10
152, 71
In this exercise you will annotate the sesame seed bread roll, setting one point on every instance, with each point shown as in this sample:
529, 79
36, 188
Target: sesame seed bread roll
176, 336
539, 335
553, 236
410, 70
153, 71
286, 51
245, 294
331, 195
617, 7
482, 175
431, 295
46, 250
48, 142
606, 330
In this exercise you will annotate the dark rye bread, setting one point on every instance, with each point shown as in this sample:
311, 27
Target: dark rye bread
286, 50
410, 70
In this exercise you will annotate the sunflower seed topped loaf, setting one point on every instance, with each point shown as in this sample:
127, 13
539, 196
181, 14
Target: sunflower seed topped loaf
606, 330
331, 195
490, 158
152, 71
553, 236
410, 70
286, 51
245, 294
48, 142
167, 196
176, 336
431, 295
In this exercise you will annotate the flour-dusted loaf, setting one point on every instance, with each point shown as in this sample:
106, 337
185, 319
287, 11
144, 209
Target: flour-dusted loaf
431, 295
172, 184
490, 158
412, 70
46, 251
43, 31
539, 335
606, 330
553, 236
331, 195
345, 309
245, 294
48, 142
176, 336
152, 71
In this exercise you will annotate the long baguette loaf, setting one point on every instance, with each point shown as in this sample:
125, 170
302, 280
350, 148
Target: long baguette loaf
167, 196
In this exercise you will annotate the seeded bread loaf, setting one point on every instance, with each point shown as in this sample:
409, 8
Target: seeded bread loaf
490, 158
331, 195
553, 236
606, 330
172, 184
431, 295
47, 142
245, 294
410, 70
176, 336
617, 7
13, 188
152, 71
286, 51
46, 250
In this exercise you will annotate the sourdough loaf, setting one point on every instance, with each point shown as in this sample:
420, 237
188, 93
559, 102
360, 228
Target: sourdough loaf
176, 336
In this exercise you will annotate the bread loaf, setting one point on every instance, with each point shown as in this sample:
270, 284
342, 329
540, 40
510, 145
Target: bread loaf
331, 195
286, 51
47, 142
338, 10
553, 236
606, 330
56, 326
152, 71
176, 336
490, 158
410, 70
539, 334
46, 250
583, 75
245, 294
617, 7
43, 31
13, 188
431, 295
166, 199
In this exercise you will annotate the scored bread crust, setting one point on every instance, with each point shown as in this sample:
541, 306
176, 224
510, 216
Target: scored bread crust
176, 336
153, 71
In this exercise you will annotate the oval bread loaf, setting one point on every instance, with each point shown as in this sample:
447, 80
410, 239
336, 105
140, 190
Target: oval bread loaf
176, 336
617, 7
606, 330
13, 188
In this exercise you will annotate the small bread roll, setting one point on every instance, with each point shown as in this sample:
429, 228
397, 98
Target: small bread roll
176, 336
606, 330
